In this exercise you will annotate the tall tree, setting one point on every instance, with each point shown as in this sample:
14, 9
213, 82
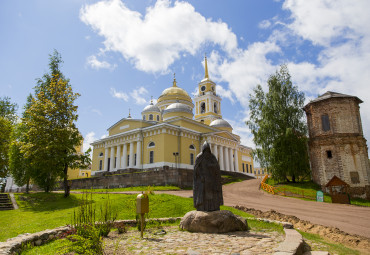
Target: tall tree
277, 123
7, 120
20, 166
52, 136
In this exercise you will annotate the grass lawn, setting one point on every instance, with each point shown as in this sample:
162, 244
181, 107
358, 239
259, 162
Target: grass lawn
309, 189
42, 211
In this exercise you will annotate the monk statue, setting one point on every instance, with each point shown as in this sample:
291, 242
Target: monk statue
207, 188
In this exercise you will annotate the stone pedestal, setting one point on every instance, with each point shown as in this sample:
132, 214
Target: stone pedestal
213, 222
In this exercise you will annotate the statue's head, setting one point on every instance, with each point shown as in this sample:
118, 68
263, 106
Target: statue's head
206, 147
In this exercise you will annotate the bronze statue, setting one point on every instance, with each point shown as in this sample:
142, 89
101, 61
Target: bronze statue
207, 188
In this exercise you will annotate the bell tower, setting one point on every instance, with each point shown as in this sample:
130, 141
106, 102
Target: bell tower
207, 102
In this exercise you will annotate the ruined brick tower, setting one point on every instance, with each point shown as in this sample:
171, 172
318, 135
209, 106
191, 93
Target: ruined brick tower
336, 142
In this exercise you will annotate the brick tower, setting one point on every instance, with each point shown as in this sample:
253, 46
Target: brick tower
336, 142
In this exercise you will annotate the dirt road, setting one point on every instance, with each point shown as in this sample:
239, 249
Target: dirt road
348, 218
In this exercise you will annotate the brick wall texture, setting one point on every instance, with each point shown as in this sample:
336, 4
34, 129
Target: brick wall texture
340, 150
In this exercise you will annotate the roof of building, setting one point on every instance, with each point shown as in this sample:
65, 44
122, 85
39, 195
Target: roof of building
331, 94
178, 107
151, 108
220, 123
174, 92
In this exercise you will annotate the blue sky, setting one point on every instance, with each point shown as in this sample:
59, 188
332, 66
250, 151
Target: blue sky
118, 53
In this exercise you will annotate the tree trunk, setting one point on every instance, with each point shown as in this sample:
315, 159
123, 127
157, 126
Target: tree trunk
65, 181
28, 186
293, 178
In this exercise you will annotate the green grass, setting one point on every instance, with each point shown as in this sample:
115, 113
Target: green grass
50, 248
315, 240
138, 188
309, 189
43, 211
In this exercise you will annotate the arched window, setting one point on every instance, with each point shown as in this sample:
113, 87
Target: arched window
150, 116
143, 117
191, 147
157, 117
203, 107
101, 154
215, 107
151, 144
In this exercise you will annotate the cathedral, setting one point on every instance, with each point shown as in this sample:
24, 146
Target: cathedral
170, 134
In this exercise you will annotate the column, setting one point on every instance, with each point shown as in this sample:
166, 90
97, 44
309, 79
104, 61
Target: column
227, 164
132, 156
118, 166
111, 167
215, 151
124, 161
221, 161
236, 160
138, 154
231, 160
106, 159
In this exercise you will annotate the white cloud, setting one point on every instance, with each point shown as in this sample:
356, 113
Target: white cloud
137, 95
224, 93
119, 95
93, 62
89, 138
154, 41
264, 24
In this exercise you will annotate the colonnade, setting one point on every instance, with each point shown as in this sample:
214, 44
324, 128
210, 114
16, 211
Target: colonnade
114, 151
227, 157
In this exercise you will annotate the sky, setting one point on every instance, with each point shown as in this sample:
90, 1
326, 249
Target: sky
118, 54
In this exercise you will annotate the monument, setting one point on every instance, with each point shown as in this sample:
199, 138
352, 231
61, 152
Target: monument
207, 198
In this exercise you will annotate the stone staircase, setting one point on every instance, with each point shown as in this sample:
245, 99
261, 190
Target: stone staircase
5, 202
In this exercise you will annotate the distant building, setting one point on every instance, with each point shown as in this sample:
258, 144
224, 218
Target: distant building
336, 142
169, 135
260, 172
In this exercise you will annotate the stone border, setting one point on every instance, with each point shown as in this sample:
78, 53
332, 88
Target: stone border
291, 245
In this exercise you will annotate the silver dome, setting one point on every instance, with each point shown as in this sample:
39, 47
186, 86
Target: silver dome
178, 107
220, 123
151, 108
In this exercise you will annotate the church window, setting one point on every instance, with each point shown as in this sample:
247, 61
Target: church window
263, 171
325, 122
203, 88
246, 166
135, 160
151, 144
143, 117
191, 147
101, 154
100, 164
108, 164
215, 107
191, 158
258, 171
128, 160
150, 116
157, 117
213, 88
151, 157
203, 107
243, 167
329, 154
115, 162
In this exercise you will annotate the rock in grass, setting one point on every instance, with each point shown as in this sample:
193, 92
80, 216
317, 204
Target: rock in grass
213, 222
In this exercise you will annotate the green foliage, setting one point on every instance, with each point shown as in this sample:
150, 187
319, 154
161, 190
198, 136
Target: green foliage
277, 123
137, 188
7, 120
52, 136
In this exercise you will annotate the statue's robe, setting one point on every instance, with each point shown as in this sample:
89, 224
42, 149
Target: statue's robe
207, 188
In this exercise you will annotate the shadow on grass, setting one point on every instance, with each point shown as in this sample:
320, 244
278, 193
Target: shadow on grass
40, 202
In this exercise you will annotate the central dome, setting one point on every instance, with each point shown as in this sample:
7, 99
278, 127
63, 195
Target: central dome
174, 93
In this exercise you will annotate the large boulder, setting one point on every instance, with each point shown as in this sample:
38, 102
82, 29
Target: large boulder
213, 222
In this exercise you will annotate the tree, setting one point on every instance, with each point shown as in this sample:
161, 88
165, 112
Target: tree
52, 136
277, 123
19, 165
7, 120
